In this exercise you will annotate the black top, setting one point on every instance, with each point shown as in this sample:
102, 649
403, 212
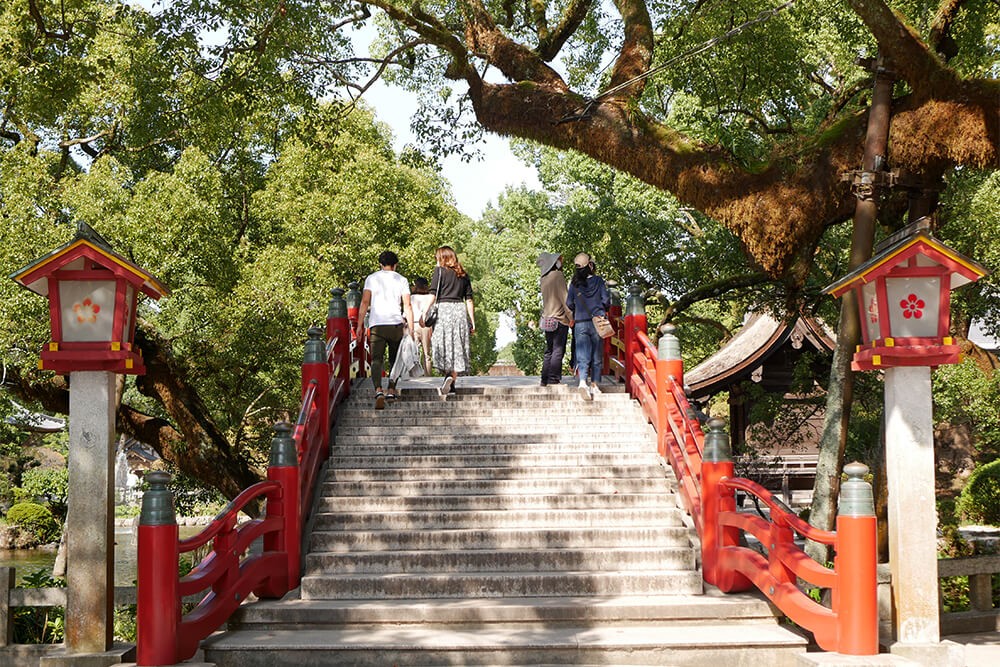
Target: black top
453, 288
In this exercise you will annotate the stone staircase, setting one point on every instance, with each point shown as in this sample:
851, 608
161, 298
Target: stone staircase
500, 526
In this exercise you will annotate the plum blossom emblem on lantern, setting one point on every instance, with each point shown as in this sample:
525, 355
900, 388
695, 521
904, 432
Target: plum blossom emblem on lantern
86, 311
913, 307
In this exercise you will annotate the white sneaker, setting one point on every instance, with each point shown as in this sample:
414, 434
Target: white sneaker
594, 390
584, 390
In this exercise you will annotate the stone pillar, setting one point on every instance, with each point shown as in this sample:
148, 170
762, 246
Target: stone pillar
909, 453
89, 522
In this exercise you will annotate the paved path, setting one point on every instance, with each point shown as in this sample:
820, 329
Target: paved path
982, 649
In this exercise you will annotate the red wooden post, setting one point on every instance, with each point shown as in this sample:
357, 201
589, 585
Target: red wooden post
338, 326
158, 610
314, 367
668, 363
635, 320
353, 299
716, 465
856, 603
284, 469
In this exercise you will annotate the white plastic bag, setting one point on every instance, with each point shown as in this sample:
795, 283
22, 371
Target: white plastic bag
407, 360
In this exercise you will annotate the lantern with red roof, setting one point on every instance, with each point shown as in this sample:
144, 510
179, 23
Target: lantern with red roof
92, 292
904, 298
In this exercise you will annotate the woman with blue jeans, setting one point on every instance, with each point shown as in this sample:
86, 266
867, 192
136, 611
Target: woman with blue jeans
587, 297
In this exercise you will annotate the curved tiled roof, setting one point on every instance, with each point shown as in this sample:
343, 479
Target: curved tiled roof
761, 336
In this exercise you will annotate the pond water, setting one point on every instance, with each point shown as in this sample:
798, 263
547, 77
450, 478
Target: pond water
27, 561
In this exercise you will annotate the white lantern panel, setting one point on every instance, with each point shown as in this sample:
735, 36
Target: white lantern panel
129, 311
88, 310
913, 306
869, 310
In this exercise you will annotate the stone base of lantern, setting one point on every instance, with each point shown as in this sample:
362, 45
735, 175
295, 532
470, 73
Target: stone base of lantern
939, 654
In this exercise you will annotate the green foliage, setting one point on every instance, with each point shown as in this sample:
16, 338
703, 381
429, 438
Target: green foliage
482, 351
49, 483
966, 396
35, 519
192, 497
125, 624
527, 350
980, 499
39, 625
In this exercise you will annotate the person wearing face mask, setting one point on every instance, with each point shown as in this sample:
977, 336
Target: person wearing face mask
587, 296
556, 317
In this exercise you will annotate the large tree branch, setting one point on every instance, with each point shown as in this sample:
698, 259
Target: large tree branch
712, 290
636, 53
778, 211
194, 443
514, 60
940, 33
36, 15
552, 42
917, 63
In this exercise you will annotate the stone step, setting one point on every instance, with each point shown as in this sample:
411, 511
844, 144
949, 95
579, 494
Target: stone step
464, 502
503, 518
389, 447
471, 426
400, 416
498, 437
664, 536
460, 472
522, 612
412, 461
500, 584
498, 560
585, 411
679, 645
495, 487
552, 394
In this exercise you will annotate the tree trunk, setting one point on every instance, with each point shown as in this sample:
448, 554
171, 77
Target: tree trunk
191, 440
841, 388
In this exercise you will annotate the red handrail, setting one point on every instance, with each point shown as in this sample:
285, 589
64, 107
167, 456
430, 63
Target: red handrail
230, 572
706, 485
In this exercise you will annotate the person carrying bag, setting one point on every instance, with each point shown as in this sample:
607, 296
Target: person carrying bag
555, 318
588, 298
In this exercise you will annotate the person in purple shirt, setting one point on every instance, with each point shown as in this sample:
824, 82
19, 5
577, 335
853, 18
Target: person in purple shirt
588, 296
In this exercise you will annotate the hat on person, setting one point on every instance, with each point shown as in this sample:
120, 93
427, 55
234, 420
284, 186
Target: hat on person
547, 261
581, 260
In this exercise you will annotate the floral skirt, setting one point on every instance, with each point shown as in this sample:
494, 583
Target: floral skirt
450, 339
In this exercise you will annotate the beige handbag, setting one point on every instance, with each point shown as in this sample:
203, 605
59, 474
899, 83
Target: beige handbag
603, 326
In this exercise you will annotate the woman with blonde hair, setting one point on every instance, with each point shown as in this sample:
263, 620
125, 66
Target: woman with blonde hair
452, 292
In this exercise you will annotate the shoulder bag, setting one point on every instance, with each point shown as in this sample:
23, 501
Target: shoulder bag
430, 317
603, 326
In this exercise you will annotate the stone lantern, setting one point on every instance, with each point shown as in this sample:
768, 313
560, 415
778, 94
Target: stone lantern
92, 293
904, 297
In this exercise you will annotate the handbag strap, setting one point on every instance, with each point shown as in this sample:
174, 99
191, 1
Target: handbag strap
437, 291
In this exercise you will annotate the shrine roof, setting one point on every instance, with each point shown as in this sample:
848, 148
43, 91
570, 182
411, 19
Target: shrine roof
761, 336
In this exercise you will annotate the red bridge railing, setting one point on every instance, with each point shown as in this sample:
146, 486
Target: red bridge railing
654, 376
232, 570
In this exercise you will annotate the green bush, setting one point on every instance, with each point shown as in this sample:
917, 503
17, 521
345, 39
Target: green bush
36, 519
980, 499
51, 483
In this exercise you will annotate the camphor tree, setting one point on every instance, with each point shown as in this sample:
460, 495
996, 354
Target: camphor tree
220, 172
752, 126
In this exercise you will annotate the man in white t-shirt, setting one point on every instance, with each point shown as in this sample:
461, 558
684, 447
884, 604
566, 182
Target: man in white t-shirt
384, 292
